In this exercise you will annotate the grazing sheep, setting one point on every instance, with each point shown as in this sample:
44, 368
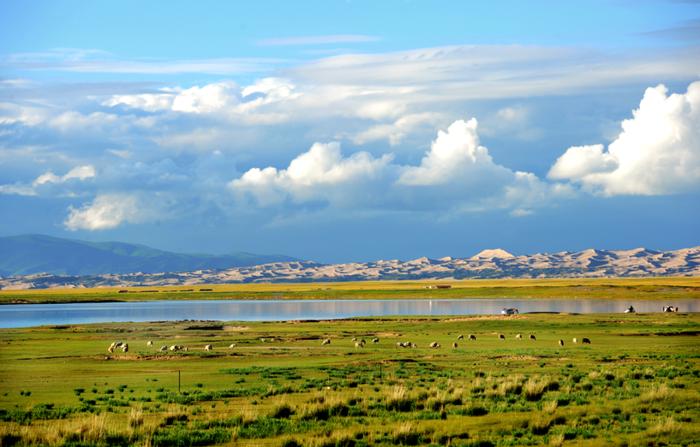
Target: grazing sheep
413, 345
125, 347
178, 348
518, 336
509, 311
111, 348
501, 337
363, 341
561, 342
460, 337
232, 345
375, 340
630, 310
434, 344
263, 340
354, 338
670, 309
472, 337
574, 340
326, 342
586, 341
454, 345
149, 343
164, 348
532, 337
359, 344
208, 347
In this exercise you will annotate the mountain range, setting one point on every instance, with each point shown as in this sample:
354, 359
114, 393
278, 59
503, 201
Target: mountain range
35, 253
493, 263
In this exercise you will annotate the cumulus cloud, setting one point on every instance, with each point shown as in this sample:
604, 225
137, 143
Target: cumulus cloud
314, 175
657, 152
457, 173
455, 155
106, 211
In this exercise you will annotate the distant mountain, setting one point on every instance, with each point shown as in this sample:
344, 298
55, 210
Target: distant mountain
34, 253
496, 263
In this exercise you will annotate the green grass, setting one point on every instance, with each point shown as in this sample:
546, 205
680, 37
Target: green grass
638, 383
662, 288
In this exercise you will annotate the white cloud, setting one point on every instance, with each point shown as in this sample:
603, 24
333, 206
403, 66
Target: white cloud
398, 130
657, 152
105, 212
149, 102
318, 174
456, 174
455, 155
210, 98
78, 173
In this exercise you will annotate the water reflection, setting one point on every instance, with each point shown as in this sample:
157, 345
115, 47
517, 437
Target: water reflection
25, 315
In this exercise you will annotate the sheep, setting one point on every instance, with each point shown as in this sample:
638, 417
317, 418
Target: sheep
518, 336
149, 343
413, 345
263, 340
670, 309
561, 342
208, 347
359, 344
630, 310
375, 340
574, 340
232, 345
399, 344
532, 337
460, 337
435, 345
111, 348
472, 337
354, 339
501, 337
327, 341
164, 348
586, 341
178, 348
363, 341
125, 347
454, 345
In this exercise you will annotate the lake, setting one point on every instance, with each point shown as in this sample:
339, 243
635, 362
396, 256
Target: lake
26, 315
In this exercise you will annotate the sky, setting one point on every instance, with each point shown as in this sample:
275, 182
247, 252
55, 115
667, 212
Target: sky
343, 131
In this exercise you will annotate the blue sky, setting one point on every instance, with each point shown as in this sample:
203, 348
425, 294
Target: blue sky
352, 130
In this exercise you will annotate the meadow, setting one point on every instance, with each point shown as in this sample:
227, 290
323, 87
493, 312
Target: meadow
637, 382
666, 288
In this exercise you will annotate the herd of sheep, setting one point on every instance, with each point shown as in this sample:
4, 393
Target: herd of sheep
359, 343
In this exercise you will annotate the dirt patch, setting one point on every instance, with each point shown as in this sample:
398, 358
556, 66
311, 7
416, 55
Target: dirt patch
235, 328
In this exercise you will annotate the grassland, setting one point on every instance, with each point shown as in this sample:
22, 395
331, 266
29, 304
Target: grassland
663, 288
637, 383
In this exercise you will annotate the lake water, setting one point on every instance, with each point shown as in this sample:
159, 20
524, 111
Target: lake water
26, 315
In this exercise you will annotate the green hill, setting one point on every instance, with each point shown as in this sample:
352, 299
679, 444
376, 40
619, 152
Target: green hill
33, 253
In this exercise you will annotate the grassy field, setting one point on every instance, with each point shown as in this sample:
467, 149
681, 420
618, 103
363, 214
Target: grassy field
637, 383
608, 288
